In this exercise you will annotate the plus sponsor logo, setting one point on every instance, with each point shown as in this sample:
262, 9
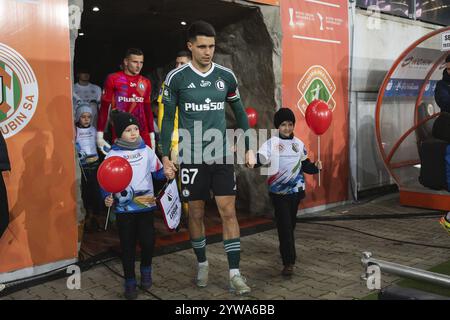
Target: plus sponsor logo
207, 106
205, 84
131, 99
315, 84
19, 91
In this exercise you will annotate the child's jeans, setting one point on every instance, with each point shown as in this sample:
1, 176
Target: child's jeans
286, 207
133, 227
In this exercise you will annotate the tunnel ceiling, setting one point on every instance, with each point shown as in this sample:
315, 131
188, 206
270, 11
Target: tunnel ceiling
155, 16
152, 25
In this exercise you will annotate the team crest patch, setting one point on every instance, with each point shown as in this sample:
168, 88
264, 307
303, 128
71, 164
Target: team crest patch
295, 147
166, 94
141, 86
186, 193
19, 91
220, 85
316, 83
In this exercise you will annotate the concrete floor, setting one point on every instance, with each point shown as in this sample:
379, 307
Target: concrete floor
328, 265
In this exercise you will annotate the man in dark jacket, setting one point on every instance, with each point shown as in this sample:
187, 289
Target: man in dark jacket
4, 166
442, 92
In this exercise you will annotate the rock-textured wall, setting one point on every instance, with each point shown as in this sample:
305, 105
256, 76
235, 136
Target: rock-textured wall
75, 10
247, 48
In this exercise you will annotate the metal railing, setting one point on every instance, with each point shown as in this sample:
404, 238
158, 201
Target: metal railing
404, 271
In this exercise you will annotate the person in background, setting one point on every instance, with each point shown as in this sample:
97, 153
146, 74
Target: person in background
85, 135
183, 57
442, 91
86, 92
127, 91
5, 165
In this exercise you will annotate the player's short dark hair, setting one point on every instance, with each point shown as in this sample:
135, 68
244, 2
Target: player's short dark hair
135, 51
200, 28
184, 53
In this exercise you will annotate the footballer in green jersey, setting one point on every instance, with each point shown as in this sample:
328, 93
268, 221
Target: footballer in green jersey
201, 90
202, 98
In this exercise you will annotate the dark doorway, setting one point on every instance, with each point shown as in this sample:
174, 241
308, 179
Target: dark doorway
155, 26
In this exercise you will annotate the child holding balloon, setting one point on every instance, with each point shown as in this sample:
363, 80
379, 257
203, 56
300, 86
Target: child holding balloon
134, 206
289, 160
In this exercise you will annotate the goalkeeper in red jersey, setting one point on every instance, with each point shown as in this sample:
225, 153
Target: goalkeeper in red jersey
127, 91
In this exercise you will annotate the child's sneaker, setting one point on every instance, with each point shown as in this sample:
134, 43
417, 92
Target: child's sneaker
130, 289
288, 270
146, 277
238, 285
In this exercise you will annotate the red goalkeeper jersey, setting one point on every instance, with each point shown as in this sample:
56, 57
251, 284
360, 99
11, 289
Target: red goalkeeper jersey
128, 94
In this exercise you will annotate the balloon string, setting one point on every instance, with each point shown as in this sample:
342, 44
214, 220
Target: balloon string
107, 217
318, 138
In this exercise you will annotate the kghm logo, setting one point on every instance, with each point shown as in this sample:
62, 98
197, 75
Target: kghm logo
18, 91
316, 83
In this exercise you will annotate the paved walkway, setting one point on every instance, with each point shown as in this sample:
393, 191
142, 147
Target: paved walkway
328, 260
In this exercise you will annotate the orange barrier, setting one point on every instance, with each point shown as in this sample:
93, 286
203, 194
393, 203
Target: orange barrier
37, 124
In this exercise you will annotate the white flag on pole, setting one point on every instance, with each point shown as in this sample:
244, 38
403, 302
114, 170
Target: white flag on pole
169, 203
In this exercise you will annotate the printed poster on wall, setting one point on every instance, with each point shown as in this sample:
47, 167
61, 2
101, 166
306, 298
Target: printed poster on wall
315, 66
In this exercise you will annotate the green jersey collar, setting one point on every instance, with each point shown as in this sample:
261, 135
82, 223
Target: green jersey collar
201, 74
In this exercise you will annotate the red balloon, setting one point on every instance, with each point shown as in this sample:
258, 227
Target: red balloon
114, 174
252, 116
318, 116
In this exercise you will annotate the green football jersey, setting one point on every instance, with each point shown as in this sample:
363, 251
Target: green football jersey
200, 98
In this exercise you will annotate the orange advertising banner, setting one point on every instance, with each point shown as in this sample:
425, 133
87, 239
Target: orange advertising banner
315, 66
36, 120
